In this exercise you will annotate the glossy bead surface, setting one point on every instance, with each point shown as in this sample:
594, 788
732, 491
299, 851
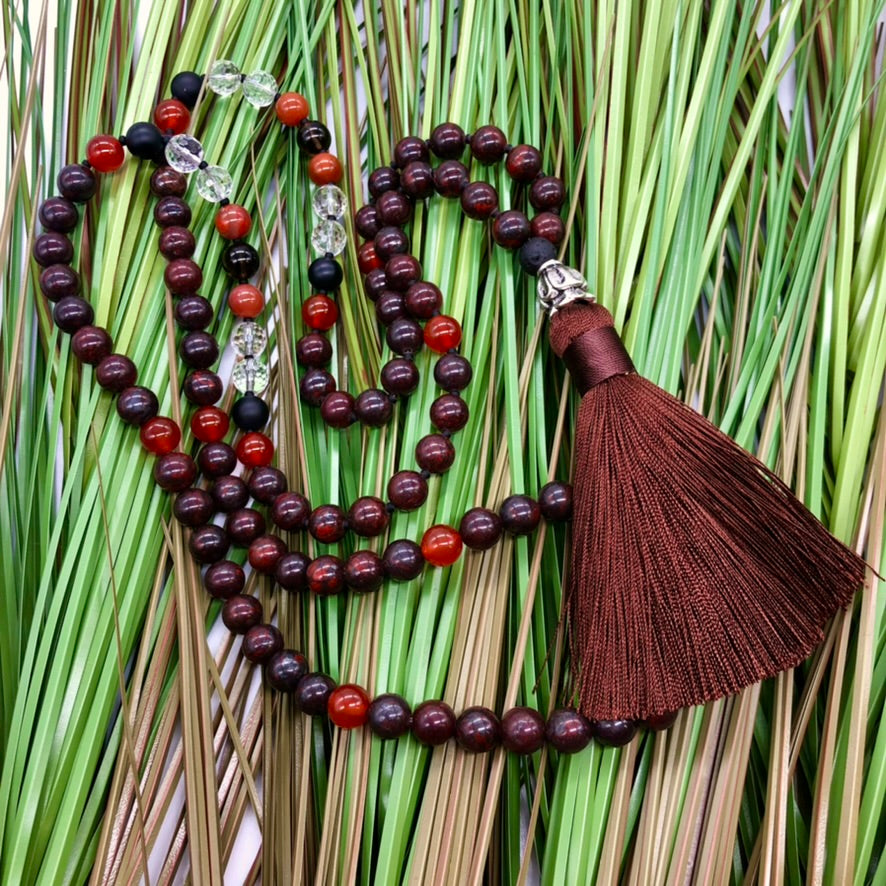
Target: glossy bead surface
261, 643
168, 182
480, 529
312, 694
244, 526
453, 372
382, 180
423, 300
368, 517
338, 410
368, 259
241, 613
265, 552
658, 722
433, 723
160, 435
488, 144
523, 163
390, 241
435, 453
246, 301
479, 200
59, 281
520, 514
91, 344
172, 211
547, 193
366, 222
175, 471
442, 333
315, 386
325, 274
327, 524
233, 222
254, 450
266, 483
76, 183
172, 116
399, 377
193, 507
313, 137
58, 214
291, 572
403, 560
449, 413
72, 313
216, 460
115, 373
441, 545
105, 153
240, 260
326, 576
136, 405
177, 242
417, 180
364, 572
199, 350
203, 388
319, 312
229, 494
186, 87
393, 208
613, 733
208, 544
450, 177
224, 579
285, 670
324, 169
404, 337
448, 141
375, 284
193, 312
555, 501
478, 730
407, 490
250, 413
535, 252
549, 226
410, 149
348, 706
183, 276
373, 408
567, 731
291, 108
290, 511
391, 306
522, 730
389, 716
511, 229
52, 248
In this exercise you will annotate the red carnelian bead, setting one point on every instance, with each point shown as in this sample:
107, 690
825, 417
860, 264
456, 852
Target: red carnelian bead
160, 435
324, 169
245, 300
367, 258
348, 706
255, 450
441, 545
233, 222
172, 116
319, 312
292, 108
105, 153
442, 333
210, 424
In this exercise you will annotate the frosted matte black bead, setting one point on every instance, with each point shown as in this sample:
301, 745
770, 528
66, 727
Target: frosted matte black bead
535, 252
145, 141
186, 88
250, 413
325, 274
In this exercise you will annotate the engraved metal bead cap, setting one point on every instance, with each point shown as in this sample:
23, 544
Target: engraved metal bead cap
559, 285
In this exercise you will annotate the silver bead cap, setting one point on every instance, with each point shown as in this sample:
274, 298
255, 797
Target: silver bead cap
560, 285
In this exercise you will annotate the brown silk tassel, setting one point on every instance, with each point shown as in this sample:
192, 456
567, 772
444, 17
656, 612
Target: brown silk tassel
695, 571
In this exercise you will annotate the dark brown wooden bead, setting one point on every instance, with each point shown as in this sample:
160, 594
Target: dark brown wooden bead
193, 312
53, 248
410, 150
478, 730
199, 350
453, 372
434, 453
433, 723
326, 576
405, 337
403, 560
315, 386
175, 471
479, 200
658, 722
285, 670
338, 410
449, 413
393, 208
91, 344
366, 222
382, 180
312, 694
266, 483
244, 526
549, 226
116, 373
193, 507
177, 242
423, 300
450, 177
59, 214
136, 405
368, 516
373, 407
229, 493
216, 460
224, 579
327, 524
390, 241
59, 281
72, 313
172, 212
488, 144
208, 544
417, 180
168, 182
76, 183
389, 716
364, 572
567, 731
203, 388
375, 283
613, 733
265, 552
399, 377
511, 229
547, 193
555, 501
480, 529
291, 511
183, 276
448, 141
522, 730
407, 490
261, 643
520, 514
241, 613
390, 306
523, 163
291, 571
313, 350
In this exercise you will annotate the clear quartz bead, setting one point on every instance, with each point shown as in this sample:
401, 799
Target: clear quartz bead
329, 236
184, 153
330, 201
214, 183
250, 375
224, 77
248, 338
259, 89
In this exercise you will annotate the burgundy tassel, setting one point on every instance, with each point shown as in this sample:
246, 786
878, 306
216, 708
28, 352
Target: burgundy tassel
695, 571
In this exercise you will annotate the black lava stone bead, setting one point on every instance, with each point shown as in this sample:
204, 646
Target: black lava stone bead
535, 252
145, 141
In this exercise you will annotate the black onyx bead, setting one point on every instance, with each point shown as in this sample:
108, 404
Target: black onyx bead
453, 372
229, 493
364, 572
399, 377
407, 490
145, 141
366, 222
338, 410
423, 300
261, 643
313, 137
368, 516
391, 241
326, 576
325, 274
290, 510
523, 163
447, 141
175, 472
203, 388
410, 149
488, 144
76, 183
250, 413
479, 200
241, 613
244, 526
405, 337
193, 312
186, 86
478, 730
381, 181
535, 252
403, 560
58, 281
393, 208
312, 694
522, 731
435, 453
168, 182
91, 344
240, 260
613, 733
266, 483
555, 501
390, 306
208, 544
285, 670
315, 385
199, 350
177, 242
172, 211
373, 407
72, 313
291, 571
511, 229
449, 413
59, 214
116, 373
52, 248
567, 731
548, 225
216, 460
520, 514
375, 283
433, 723
224, 579
327, 524
136, 405
417, 180
450, 177
193, 507
313, 350
480, 529
547, 193
389, 716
